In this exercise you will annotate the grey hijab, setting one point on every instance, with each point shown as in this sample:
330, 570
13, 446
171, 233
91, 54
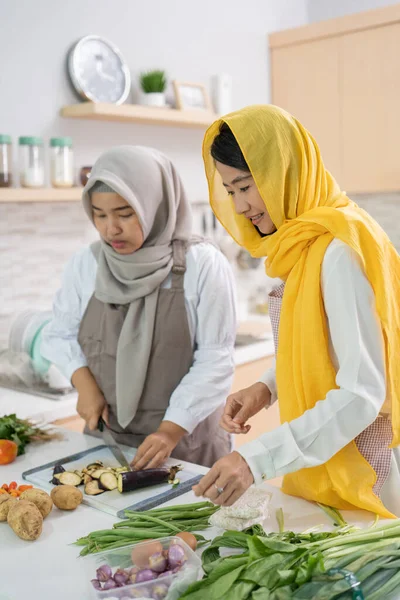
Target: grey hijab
150, 183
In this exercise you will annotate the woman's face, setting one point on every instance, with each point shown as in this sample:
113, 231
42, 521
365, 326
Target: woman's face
246, 197
116, 222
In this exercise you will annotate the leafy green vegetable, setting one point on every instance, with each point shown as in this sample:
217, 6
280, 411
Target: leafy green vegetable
23, 432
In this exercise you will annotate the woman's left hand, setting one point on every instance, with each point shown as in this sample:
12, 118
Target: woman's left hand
158, 446
228, 479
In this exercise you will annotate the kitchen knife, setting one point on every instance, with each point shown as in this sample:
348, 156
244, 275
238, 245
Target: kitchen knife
112, 444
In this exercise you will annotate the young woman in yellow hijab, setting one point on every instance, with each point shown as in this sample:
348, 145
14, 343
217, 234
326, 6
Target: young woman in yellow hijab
336, 319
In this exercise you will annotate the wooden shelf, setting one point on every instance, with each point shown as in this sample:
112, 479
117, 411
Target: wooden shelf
73, 194
134, 113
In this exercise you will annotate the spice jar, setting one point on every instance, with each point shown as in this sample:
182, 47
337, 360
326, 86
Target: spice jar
31, 162
61, 162
5, 161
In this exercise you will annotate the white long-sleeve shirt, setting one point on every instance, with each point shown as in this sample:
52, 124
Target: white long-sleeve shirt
211, 310
357, 352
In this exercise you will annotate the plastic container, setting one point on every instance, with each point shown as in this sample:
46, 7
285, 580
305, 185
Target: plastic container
25, 337
31, 162
5, 161
61, 162
165, 587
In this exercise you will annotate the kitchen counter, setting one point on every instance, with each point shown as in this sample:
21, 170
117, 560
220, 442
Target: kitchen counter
49, 568
36, 407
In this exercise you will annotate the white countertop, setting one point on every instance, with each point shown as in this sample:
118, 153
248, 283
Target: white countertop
49, 567
36, 407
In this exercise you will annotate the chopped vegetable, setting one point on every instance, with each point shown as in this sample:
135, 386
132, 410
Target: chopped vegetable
108, 481
66, 497
22, 432
92, 488
69, 478
13, 489
132, 480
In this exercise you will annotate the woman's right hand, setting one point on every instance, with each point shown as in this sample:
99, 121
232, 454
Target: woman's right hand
243, 405
91, 403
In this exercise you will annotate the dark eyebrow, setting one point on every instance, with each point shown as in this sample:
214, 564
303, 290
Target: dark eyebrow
114, 209
238, 179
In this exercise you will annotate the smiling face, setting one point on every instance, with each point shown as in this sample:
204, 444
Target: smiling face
116, 222
246, 197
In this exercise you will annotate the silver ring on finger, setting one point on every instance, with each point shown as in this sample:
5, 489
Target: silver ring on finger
219, 489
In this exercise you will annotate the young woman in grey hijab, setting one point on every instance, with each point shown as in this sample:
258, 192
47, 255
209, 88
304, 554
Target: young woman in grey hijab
144, 323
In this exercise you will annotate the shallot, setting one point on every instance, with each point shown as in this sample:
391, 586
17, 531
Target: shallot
145, 575
157, 562
176, 556
104, 573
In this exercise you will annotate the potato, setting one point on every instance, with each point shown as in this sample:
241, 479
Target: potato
66, 497
25, 519
40, 498
6, 502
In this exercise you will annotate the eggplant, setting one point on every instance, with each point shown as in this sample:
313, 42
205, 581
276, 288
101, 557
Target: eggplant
69, 478
132, 480
108, 481
95, 465
98, 473
87, 478
92, 488
58, 469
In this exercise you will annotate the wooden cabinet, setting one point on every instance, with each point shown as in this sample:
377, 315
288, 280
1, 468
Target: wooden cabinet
341, 78
305, 81
370, 101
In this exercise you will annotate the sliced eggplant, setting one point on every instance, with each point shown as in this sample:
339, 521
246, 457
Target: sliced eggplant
69, 478
95, 465
92, 488
80, 473
98, 473
58, 469
108, 481
87, 478
132, 480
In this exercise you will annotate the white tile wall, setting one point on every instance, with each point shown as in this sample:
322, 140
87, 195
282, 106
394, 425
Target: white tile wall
37, 239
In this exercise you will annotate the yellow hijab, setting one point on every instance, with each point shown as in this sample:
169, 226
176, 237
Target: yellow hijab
309, 211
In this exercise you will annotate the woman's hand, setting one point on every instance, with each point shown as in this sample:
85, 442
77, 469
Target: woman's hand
241, 406
158, 446
91, 403
228, 479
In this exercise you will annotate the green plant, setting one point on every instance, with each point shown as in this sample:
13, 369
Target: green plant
153, 82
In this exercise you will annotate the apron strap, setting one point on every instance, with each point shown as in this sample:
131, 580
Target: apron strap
179, 264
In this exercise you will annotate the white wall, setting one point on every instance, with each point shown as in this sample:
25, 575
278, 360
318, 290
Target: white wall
191, 40
320, 10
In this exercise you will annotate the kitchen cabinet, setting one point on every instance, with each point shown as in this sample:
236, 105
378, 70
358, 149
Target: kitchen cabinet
305, 82
370, 67
340, 78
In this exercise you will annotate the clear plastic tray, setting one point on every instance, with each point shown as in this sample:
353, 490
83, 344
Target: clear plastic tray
168, 587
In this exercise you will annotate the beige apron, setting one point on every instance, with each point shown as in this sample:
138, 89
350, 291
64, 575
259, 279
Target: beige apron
373, 443
170, 360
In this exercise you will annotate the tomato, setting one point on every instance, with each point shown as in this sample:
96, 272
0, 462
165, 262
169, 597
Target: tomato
8, 452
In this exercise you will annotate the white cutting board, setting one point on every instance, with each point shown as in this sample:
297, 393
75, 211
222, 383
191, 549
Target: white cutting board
114, 503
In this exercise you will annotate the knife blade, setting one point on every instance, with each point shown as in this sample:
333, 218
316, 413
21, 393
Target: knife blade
112, 445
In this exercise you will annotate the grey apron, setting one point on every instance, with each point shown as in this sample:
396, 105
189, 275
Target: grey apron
171, 358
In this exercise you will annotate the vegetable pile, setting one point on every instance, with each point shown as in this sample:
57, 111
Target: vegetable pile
151, 524
308, 566
25, 514
151, 563
23, 432
13, 489
98, 479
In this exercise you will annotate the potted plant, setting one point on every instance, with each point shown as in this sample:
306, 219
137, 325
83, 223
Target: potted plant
153, 84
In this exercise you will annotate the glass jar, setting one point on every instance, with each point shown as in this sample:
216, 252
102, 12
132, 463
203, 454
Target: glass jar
31, 162
5, 161
61, 162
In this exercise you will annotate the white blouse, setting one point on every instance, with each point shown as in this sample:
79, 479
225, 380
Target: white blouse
211, 310
357, 352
